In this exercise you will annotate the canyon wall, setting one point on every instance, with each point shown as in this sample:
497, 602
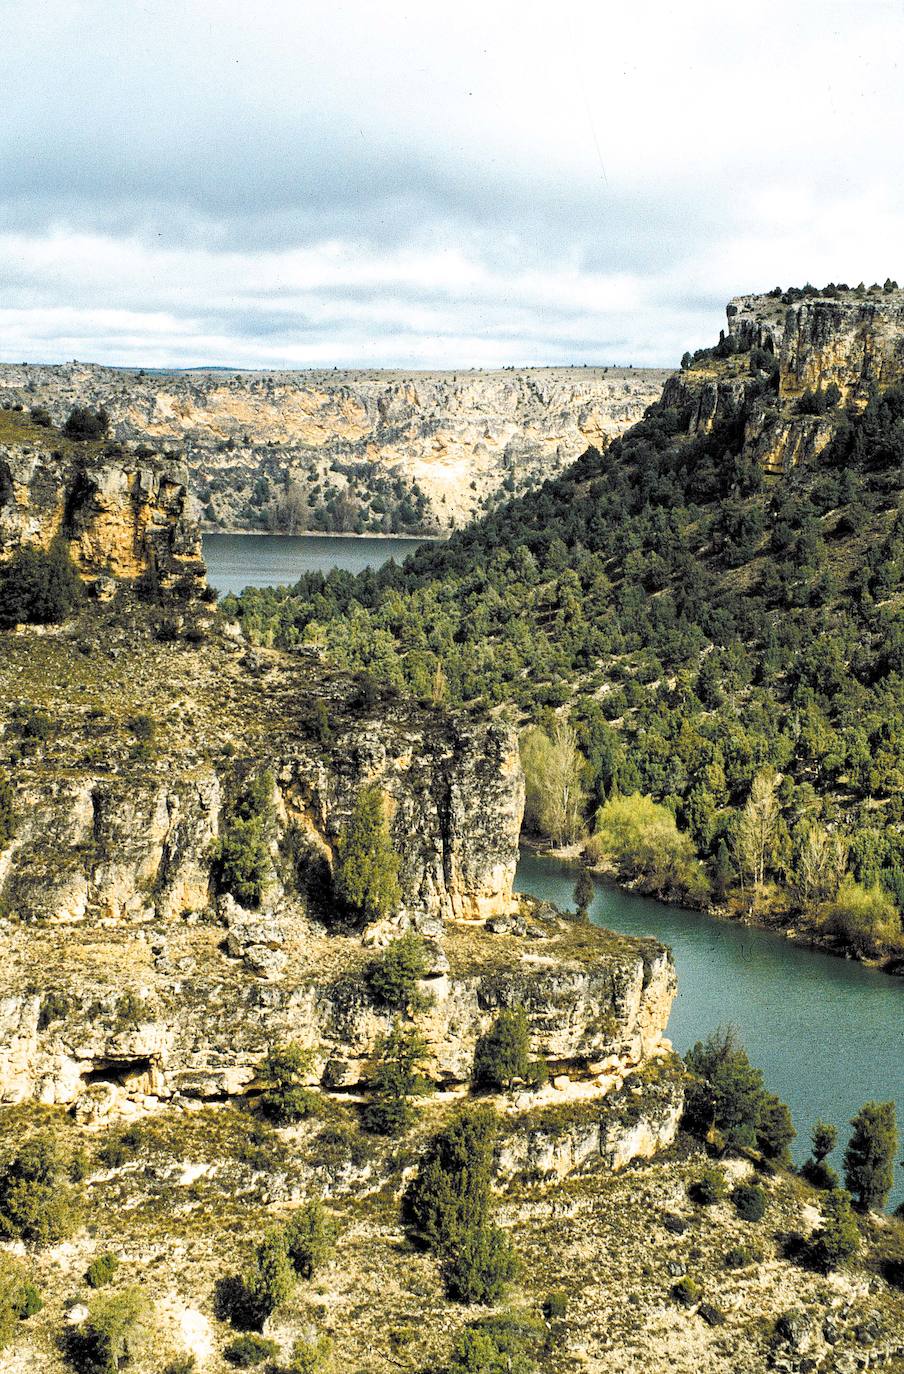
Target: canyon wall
354, 451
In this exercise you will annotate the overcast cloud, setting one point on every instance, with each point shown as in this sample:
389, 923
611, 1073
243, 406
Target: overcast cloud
290, 183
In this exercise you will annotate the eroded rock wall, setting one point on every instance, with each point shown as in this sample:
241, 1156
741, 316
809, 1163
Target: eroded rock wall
458, 438
120, 517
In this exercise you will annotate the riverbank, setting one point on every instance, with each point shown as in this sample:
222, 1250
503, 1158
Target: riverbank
775, 918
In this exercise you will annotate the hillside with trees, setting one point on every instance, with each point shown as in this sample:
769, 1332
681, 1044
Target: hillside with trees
680, 622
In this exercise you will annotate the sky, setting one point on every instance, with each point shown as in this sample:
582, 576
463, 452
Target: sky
473, 184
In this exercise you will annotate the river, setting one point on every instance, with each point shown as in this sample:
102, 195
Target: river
827, 1032
236, 561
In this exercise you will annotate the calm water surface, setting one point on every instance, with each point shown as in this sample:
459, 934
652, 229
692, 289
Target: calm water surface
236, 561
827, 1032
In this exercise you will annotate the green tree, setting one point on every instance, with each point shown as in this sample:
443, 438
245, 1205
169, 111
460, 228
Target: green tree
242, 855
757, 830
397, 1080
396, 975
824, 1138
284, 1072
502, 1055
774, 1128
310, 1238
869, 1160
554, 792
452, 1187
863, 918
37, 1204
38, 588
367, 866
118, 1333
727, 1091
838, 1238
481, 1266
817, 1170
642, 839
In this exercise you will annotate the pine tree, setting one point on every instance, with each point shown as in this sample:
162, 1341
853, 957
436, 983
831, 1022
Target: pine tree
397, 1080
869, 1160
367, 867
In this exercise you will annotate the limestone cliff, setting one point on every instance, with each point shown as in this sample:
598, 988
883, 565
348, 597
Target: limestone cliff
854, 340
851, 340
375, 450
120, 517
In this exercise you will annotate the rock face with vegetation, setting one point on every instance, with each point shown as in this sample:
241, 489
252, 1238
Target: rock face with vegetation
119, 516
351, 451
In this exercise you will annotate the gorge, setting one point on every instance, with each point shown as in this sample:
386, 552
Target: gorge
244, 850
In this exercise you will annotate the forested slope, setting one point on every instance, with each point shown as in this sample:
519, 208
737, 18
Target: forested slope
715, 606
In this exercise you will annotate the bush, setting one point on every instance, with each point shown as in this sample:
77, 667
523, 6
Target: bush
312, 1357
38, 588
501, 1344
7, 811
864, 919
838, 1238
117, 1332
285, 1097
749, 1201
394, 977
367, 866
709, 1188
642, 839
555, 1305
36, 1203
310, 1238
480, 1266
19, 1298
249, 1350
101, 1270
85, 424
502, 1056
687, 1291
740, 1256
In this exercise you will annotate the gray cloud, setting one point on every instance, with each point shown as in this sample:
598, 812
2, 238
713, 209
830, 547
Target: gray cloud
370, 182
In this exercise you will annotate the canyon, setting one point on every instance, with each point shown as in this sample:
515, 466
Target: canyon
350, 451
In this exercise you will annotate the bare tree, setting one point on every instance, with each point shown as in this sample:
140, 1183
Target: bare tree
821, 864
757, 831
555, 796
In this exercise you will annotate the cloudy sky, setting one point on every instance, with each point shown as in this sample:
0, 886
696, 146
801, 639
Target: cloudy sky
294, 183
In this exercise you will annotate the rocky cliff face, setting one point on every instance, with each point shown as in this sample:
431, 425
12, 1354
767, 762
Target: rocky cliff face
119, 517
853, 340
353, 450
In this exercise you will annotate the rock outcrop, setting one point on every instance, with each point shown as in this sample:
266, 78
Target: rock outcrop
346, 450
120, 517
853, 340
